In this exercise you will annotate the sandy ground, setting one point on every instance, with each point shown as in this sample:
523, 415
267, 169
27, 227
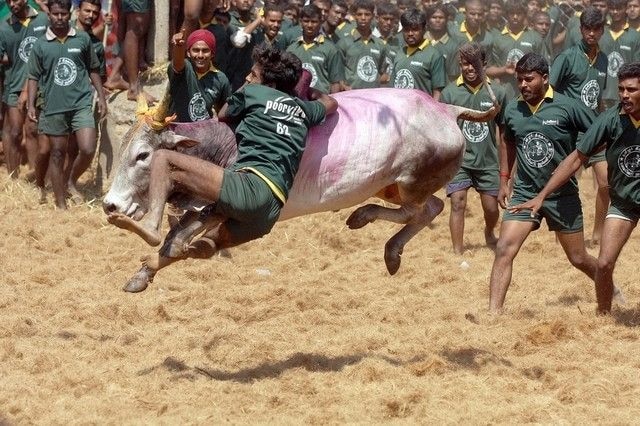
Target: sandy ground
303, 326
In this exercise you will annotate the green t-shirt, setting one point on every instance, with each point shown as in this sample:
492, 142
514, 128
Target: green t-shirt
193, 97
422, 69
98, 47
363, 60
483, 36
616, 130
16, 41
448, 47
543, 139
509, 49
481, 151
239, 59
272, 132
573, 75
623, 49
223, 44
62, 70
394, 45
321, 59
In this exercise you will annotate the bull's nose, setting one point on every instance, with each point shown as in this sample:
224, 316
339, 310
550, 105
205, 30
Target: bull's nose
108, 207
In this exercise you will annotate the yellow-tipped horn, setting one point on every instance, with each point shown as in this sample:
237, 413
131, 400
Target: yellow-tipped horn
143, 106
162, 110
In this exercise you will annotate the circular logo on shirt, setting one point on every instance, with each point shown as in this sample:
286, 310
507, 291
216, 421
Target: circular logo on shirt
590, 93
314, 74
404, 80
514, 56
629, 161
475, 132
65, 73
366, 69
538, 149
198, 108
615, 62
24, 50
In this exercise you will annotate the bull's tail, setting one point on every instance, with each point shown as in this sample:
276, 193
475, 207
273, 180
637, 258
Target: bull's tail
473, 53
464, 113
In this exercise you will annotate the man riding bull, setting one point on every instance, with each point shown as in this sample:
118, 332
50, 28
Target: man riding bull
272, 126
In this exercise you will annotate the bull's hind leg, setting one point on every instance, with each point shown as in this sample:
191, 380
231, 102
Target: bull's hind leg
423, 217
404, 214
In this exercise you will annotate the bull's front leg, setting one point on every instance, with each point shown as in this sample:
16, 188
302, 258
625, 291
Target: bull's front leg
202, 248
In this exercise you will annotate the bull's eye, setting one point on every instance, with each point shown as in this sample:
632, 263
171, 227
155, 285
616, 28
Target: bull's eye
142, 156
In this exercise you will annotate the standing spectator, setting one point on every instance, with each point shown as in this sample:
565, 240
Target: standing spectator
621, 44
239, 58
216, 21
335, 21
479, 168
616, 130
419, 65
473, 28
580, 72
440, 38
133, 25
540, 129
265, 28
318, 54
363, 54
541, 23
511, 44
18, 33
633, 14
387, 19
64, 64
198, 90
495, 18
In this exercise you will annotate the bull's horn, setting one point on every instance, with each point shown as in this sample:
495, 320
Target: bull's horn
143, 106
162, 110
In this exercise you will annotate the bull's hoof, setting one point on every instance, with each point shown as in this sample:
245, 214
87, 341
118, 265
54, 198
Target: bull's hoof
140, 281
360, 217
174, 249
392, 257
203, 248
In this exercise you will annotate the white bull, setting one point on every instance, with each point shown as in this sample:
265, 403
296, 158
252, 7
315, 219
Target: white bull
398, 145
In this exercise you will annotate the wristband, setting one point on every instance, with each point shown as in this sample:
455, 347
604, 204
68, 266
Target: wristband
504, 174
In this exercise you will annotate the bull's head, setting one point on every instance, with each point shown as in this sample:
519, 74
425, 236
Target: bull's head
128, 191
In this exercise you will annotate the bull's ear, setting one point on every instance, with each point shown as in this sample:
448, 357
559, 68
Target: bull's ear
172, 141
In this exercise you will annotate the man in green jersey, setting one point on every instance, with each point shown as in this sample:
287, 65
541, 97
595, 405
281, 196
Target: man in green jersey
247, 196
419, 65
198, 89
511, 44
479, 168
540, 129
18, 33
318, 54
473, 27
580, 72
617, 132
64, 64
621, 44
363, 54
440, 38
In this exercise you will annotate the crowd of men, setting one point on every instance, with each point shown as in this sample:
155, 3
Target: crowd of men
554, 69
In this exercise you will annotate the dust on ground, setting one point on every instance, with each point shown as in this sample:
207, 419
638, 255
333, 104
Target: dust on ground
302, 326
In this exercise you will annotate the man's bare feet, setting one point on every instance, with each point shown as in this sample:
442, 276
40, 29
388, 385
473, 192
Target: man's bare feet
43, 196
116, 84
150, 236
